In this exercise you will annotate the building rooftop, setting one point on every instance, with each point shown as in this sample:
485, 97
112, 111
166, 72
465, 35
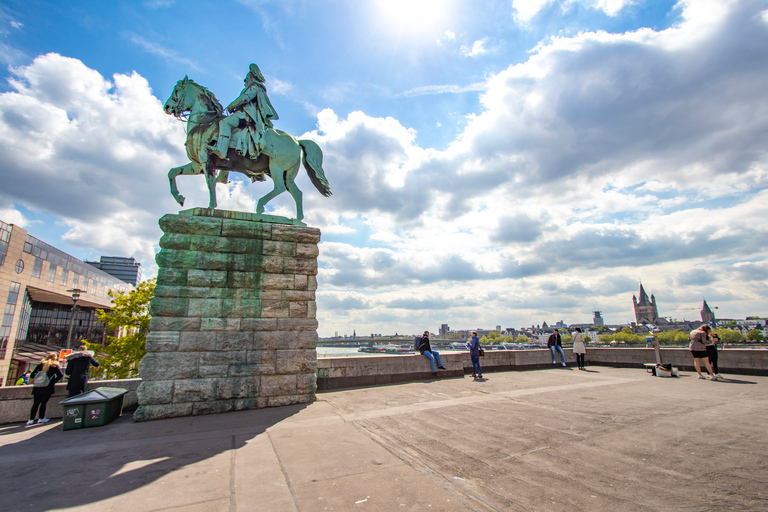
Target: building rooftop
558, 439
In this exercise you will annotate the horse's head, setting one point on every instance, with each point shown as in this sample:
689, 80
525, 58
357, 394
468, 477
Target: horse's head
177, 103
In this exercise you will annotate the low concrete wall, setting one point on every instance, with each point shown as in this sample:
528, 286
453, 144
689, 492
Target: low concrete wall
348, 372
733, 361
16, 401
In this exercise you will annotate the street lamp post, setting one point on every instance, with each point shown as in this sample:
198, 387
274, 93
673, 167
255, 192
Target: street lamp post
75, 298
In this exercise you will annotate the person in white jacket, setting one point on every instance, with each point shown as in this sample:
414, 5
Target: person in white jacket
579, 349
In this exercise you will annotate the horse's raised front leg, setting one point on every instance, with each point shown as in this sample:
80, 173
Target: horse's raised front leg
188, 169
279, 188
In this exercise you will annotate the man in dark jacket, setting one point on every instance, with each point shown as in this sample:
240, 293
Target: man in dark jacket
426, 350
555, 344
78, 363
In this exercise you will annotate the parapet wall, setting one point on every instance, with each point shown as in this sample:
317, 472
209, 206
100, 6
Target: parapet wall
348, 372
16, 401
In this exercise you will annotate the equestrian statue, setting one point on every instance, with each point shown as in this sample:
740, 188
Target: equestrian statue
244, 141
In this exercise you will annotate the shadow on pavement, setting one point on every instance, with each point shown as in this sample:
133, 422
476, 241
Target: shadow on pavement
728, 380
78, 467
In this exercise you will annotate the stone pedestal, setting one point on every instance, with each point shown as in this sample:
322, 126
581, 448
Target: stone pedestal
233, 317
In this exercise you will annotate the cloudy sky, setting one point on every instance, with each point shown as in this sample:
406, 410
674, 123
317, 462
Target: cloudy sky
492, 163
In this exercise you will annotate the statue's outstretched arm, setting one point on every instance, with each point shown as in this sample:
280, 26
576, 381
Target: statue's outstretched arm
232, 106
247, 96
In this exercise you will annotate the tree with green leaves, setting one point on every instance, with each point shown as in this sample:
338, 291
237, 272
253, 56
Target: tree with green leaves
129, 319
755, 335
521, 338
729, 335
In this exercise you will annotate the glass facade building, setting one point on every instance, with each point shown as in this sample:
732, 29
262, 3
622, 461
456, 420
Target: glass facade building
37, 282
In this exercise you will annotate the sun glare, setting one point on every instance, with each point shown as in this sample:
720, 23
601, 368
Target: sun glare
413, 14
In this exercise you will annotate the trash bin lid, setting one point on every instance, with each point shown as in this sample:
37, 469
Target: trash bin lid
95, 395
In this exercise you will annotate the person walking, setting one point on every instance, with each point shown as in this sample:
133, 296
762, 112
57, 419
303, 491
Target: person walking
474, 354
78, 363
44, 386
712, 355
426, 350
698, 347
578, 347
555, 344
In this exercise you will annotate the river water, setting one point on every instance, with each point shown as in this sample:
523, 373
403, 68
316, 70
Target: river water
341, 352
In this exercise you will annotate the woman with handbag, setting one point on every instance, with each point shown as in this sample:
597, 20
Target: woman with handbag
578, 347
44, 378
698, 347
474, 354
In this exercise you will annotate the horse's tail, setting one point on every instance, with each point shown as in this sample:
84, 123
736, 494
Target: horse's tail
312, 158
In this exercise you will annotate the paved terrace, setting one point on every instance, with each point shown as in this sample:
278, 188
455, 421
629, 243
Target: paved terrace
610, 439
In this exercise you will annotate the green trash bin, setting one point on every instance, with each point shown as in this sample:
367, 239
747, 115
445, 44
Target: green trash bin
93, 408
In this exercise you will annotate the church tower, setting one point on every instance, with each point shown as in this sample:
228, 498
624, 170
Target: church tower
707, 316
645, 309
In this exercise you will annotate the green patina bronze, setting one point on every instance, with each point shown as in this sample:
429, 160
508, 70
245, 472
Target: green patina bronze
244, 141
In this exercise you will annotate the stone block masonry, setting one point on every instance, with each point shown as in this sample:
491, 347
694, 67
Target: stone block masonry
233, 317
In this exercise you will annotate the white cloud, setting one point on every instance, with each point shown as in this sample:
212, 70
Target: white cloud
13, 216
442, 89
278, 86
450, 35
526, 10
477, 48
17, 25
610, 7
101, 147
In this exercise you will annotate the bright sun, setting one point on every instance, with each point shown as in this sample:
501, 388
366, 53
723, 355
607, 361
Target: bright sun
414, 14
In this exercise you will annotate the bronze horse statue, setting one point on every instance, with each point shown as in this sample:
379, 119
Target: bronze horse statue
279, 158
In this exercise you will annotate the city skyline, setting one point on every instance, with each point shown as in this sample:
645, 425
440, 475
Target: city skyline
527, 160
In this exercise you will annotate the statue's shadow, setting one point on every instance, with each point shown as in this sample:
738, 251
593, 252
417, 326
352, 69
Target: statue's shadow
49, 468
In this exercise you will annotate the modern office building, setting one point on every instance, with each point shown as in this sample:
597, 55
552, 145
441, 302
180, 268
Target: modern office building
125, 269
37, 285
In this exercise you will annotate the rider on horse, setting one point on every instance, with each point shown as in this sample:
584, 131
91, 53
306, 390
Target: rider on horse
253, 107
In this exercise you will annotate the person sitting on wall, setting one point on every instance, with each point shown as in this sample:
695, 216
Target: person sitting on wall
555, 344
426, 350
78, 363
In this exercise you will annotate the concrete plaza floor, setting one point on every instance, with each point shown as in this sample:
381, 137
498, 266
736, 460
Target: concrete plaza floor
557, 439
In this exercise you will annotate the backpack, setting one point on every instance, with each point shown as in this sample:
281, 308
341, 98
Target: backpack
416, 342
41, 380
